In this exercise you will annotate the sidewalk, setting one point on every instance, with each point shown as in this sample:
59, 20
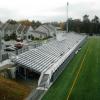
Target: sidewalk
5, 64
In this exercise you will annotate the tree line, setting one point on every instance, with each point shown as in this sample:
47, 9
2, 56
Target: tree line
32, 23
85, 25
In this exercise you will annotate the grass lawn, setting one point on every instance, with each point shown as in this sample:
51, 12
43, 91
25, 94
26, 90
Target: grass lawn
81, 79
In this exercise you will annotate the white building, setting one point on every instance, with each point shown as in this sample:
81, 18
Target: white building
43, 31
20, 30
27, 32
47, 29
8, 29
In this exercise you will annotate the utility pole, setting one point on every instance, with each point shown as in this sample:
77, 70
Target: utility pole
67, 19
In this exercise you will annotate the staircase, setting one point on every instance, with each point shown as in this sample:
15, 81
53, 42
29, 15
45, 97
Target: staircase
44, 80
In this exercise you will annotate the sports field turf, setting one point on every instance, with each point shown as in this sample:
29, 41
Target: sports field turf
81, 78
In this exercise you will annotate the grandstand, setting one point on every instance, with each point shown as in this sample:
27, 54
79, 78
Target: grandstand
49, 59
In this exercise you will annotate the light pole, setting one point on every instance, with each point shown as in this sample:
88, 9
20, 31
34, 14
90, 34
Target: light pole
67, 19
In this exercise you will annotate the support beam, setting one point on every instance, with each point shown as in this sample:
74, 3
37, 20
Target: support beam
0, 48
25, 73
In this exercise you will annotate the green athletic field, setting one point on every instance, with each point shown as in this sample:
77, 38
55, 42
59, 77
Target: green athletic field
81, 79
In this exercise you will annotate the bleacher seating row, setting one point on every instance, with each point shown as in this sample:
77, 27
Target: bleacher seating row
43, 57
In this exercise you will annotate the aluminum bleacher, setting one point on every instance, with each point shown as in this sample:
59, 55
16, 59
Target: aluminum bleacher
47, 58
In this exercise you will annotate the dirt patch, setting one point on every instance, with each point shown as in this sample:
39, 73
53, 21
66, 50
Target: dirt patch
13, 90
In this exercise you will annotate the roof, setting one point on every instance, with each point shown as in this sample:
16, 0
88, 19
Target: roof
42, 29
10, 27
46, 29
20, 28
1, 24
38, 32
44, 57
15, 27
26, 29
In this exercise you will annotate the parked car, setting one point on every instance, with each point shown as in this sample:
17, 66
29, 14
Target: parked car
10, 48
19, 45
8, 45
19, 40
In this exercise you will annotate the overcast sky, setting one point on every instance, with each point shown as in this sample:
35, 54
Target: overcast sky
47, 10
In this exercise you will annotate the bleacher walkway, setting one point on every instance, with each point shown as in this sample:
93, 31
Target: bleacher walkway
36, 95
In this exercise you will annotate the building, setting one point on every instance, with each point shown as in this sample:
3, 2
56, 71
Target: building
47, 29
8, 29
20, 30
43, 31
27, 32
24, 31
